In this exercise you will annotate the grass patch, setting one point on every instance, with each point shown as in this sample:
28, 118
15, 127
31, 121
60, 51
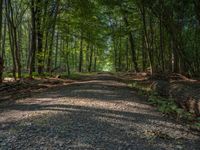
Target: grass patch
77, 75
26, 75
137, 85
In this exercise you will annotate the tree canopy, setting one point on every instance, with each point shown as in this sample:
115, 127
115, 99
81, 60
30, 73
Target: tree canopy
44, 36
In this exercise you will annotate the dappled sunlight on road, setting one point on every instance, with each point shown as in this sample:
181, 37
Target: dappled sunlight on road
90, 115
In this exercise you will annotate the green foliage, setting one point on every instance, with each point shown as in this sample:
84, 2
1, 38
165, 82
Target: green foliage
142, 88
26, 75
159, 29
76, 75
168, 106
8, 75
197, 124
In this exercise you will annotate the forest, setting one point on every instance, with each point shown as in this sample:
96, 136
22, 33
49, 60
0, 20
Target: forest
46, 36
100, 74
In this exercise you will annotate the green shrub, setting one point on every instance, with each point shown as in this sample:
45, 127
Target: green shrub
169, 106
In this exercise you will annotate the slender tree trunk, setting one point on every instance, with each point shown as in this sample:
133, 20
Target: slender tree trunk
56, 53
73, 55
46, 46
12, 50
76, 61
1, 12
132, 44
120, 52
17, 52
67, 54
49, 56
81, 54
161, 38
53, 27
29, 49
1, 56
144, 53
115, 53
90, 59
39, 37
13, 39
152, 46
146, 38
33, 38
95, 60
4, 38
127, 55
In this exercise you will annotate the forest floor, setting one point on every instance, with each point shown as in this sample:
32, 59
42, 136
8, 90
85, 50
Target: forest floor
99, 112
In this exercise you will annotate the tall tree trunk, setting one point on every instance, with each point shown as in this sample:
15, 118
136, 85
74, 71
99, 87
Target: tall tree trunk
33, 38
115, 53
1, 12
95, 59
81, 54
144, 53
39, 37
146, 37
12, 50
17, 52
4, 38
127, 55
161, 38
68, 65
53, 27
29, 49
120, 52
13, 39
56, 52
91, 58
1, 57
132, 44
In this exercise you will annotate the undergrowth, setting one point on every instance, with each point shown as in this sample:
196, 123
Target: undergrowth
77, 75
166, 106
169, 106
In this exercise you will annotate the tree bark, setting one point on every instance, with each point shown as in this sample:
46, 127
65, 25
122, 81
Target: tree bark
39, 37
146, 37
13, 39
90, 59
56, 53
4, 38
53, 27
132, 44
81, 54
33, 38
1, 12
1, 57
161, 38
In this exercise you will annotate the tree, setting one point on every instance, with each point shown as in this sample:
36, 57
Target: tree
33, 38
98, 35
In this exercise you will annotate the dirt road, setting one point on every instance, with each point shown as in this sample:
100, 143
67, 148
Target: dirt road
101, 113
